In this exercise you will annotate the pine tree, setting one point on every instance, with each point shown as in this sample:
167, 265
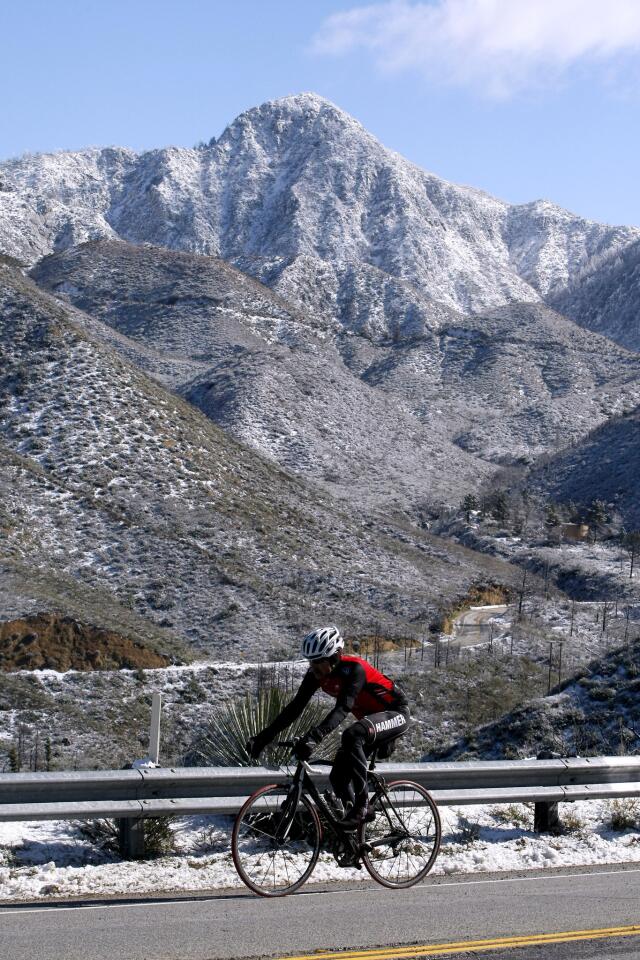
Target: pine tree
469, 503
500, 507
597, 515
14, 763
527, 508
632, 543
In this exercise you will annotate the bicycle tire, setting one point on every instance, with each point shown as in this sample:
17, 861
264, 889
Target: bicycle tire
391, 830
299, 850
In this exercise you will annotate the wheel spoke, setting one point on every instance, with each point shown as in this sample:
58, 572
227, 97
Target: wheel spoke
404, 835
253, 829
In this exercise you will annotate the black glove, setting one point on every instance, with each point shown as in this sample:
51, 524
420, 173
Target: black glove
303, 748
255, 745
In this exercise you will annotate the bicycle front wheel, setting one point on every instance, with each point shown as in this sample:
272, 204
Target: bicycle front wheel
402, 841
276, 841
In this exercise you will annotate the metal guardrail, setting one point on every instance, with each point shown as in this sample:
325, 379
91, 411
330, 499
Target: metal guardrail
185, 790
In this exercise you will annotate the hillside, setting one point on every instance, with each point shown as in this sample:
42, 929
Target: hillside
124, 493
443, 403
268, 373
509, 384
605, 465
596, 713
605, 297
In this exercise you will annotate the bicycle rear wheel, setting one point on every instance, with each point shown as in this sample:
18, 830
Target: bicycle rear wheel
402, 841
275, 845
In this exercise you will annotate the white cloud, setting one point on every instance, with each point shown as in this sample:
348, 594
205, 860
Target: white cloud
498, 47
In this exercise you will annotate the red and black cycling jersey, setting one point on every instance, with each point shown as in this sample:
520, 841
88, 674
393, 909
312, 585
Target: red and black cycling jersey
358, 687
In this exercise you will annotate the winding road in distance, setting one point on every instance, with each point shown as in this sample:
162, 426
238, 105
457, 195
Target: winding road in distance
596, 911
473, 626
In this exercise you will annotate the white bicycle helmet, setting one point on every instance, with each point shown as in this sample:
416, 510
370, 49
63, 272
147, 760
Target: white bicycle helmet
321, 643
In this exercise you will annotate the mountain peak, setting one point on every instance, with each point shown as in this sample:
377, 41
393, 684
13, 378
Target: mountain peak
294, 113
306, 104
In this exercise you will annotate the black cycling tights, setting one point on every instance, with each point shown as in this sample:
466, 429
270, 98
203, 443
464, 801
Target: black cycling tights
349, 772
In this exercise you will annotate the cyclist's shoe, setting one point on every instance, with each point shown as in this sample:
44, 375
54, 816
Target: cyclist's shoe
349, 859
334, 803
357, 814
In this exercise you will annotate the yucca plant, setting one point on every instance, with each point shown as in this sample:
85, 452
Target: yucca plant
221, 741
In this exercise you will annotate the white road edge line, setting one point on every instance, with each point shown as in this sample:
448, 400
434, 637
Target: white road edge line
7, 911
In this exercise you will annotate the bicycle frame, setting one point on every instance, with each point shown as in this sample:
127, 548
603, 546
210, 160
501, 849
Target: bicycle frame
302, 782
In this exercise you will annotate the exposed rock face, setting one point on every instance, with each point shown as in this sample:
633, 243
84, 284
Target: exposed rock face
53, 642
299, 178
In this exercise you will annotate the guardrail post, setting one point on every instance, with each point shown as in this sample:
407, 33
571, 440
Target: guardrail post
546, 818
131, 837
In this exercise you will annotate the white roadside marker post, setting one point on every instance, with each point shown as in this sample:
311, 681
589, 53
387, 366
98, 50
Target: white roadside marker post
131, 829
154, 736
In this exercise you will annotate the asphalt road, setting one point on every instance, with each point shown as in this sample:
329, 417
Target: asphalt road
472, 627
327, 918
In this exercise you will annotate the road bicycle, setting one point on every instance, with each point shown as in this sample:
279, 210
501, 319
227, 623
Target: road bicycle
279, 830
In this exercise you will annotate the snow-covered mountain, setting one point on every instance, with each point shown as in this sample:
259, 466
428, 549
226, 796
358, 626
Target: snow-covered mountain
299, 178
394, 341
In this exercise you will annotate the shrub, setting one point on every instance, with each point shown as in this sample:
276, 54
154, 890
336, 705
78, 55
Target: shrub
159, 838
212, 839
7, 856
572, 823
221, 742
516, 813
102, 834
624, 813
469, 830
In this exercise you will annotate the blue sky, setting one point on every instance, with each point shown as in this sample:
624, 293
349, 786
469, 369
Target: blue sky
523, 98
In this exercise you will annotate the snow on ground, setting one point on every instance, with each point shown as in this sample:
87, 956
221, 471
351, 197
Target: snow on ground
53, 859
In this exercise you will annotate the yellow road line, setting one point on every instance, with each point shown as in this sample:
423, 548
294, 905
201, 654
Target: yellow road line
441, 949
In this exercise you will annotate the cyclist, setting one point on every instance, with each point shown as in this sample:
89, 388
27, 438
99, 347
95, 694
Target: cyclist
379, 705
